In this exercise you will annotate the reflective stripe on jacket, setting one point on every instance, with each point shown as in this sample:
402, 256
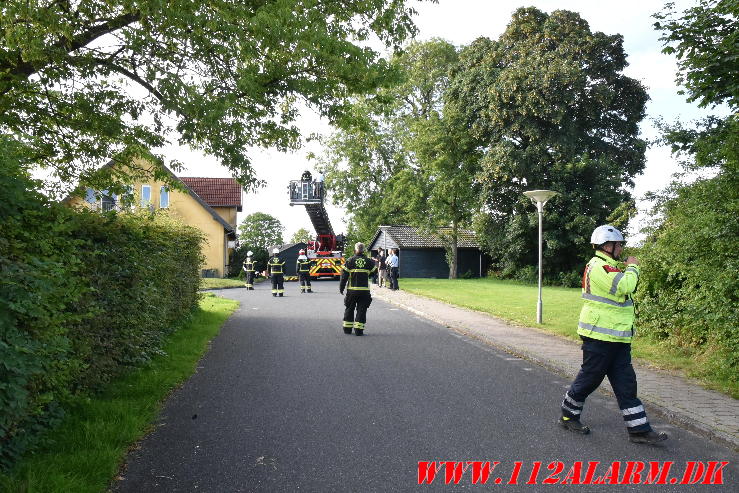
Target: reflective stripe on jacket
304, 265
249, 266
608, 310
275, 265
356, 272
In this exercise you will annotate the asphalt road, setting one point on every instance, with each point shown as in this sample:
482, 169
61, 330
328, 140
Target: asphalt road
285, 401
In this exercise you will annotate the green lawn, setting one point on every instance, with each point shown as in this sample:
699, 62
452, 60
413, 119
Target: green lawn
512, 301
516, 303
86, 451
216, 283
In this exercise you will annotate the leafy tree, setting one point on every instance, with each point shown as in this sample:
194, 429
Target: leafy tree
302, 235
81, 82
552, 108
690, 286
704, 39
259, 231
407, 158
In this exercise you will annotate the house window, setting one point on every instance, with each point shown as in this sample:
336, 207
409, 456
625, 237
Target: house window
90, 197
108, 201
145, 195
163, 197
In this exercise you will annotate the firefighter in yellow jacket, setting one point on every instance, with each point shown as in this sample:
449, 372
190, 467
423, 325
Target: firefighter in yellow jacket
606, 328
249, 269
276, 269
355, 277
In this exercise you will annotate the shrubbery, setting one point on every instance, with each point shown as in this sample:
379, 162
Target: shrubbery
82, 297
689, 289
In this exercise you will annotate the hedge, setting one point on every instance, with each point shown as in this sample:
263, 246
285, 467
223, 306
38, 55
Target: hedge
689, 290
83, 297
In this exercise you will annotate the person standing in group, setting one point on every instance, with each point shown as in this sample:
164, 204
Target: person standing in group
606, 327
249, 271
275, 266
381, 268
393, 264
303, 269
355, 277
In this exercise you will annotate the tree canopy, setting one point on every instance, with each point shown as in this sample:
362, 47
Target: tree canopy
302, 235
84, 82
259, 231
407, 158
552, 109
690, 286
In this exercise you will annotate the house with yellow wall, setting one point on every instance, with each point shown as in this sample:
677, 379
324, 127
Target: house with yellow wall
209, 204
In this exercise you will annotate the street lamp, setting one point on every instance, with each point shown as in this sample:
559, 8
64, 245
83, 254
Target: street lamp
539, 197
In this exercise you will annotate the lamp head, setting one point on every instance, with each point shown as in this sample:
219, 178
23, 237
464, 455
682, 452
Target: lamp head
540, 195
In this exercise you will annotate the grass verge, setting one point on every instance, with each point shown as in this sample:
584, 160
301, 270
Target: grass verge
85, 452
515, 302
215, 283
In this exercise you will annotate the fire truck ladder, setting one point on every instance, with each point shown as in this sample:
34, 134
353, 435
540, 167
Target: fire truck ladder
310, 193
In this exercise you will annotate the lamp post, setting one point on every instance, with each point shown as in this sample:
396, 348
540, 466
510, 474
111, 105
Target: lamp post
539, 197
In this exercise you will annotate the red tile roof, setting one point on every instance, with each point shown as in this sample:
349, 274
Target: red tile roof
216, 192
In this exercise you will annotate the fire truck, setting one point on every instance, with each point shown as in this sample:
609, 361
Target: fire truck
326, 252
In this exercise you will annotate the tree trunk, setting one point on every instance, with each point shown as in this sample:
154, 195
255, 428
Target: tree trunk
453, 256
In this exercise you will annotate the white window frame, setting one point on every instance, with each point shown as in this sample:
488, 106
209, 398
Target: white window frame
163, 192
145, 202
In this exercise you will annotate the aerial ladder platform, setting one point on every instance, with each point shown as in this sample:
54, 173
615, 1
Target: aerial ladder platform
326, 251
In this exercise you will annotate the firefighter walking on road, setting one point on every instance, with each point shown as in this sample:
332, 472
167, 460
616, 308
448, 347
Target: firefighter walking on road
606, 328
355, 277
303, 269
249, 271
276, 270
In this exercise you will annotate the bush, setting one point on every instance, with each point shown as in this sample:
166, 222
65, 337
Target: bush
82, 297
689, 289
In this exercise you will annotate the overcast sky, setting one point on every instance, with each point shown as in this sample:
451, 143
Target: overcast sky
460, 22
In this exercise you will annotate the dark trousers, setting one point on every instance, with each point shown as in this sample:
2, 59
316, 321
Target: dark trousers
305, 281
359, 301
249, 279
278, 281
393, 277
602, 359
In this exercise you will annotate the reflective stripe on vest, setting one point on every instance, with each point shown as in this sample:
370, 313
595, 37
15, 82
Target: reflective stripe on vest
606, 331
600, 299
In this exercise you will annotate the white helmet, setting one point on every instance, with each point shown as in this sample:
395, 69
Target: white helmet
249, 253
605, 233
275, 250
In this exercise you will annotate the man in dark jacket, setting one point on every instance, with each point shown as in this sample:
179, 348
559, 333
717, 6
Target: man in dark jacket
302, 267
275, 266
249, 271
355, 276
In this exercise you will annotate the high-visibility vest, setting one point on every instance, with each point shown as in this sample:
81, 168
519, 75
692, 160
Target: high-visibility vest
608, 310
275, 265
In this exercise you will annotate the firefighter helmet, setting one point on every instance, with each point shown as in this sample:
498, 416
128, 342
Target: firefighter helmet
604, 234
301, 252
275, 250
249, 253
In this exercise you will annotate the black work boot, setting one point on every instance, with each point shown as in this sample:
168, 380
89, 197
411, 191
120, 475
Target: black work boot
649, 437
347, 330
274, 294
359, 332
280, 295
573, 425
